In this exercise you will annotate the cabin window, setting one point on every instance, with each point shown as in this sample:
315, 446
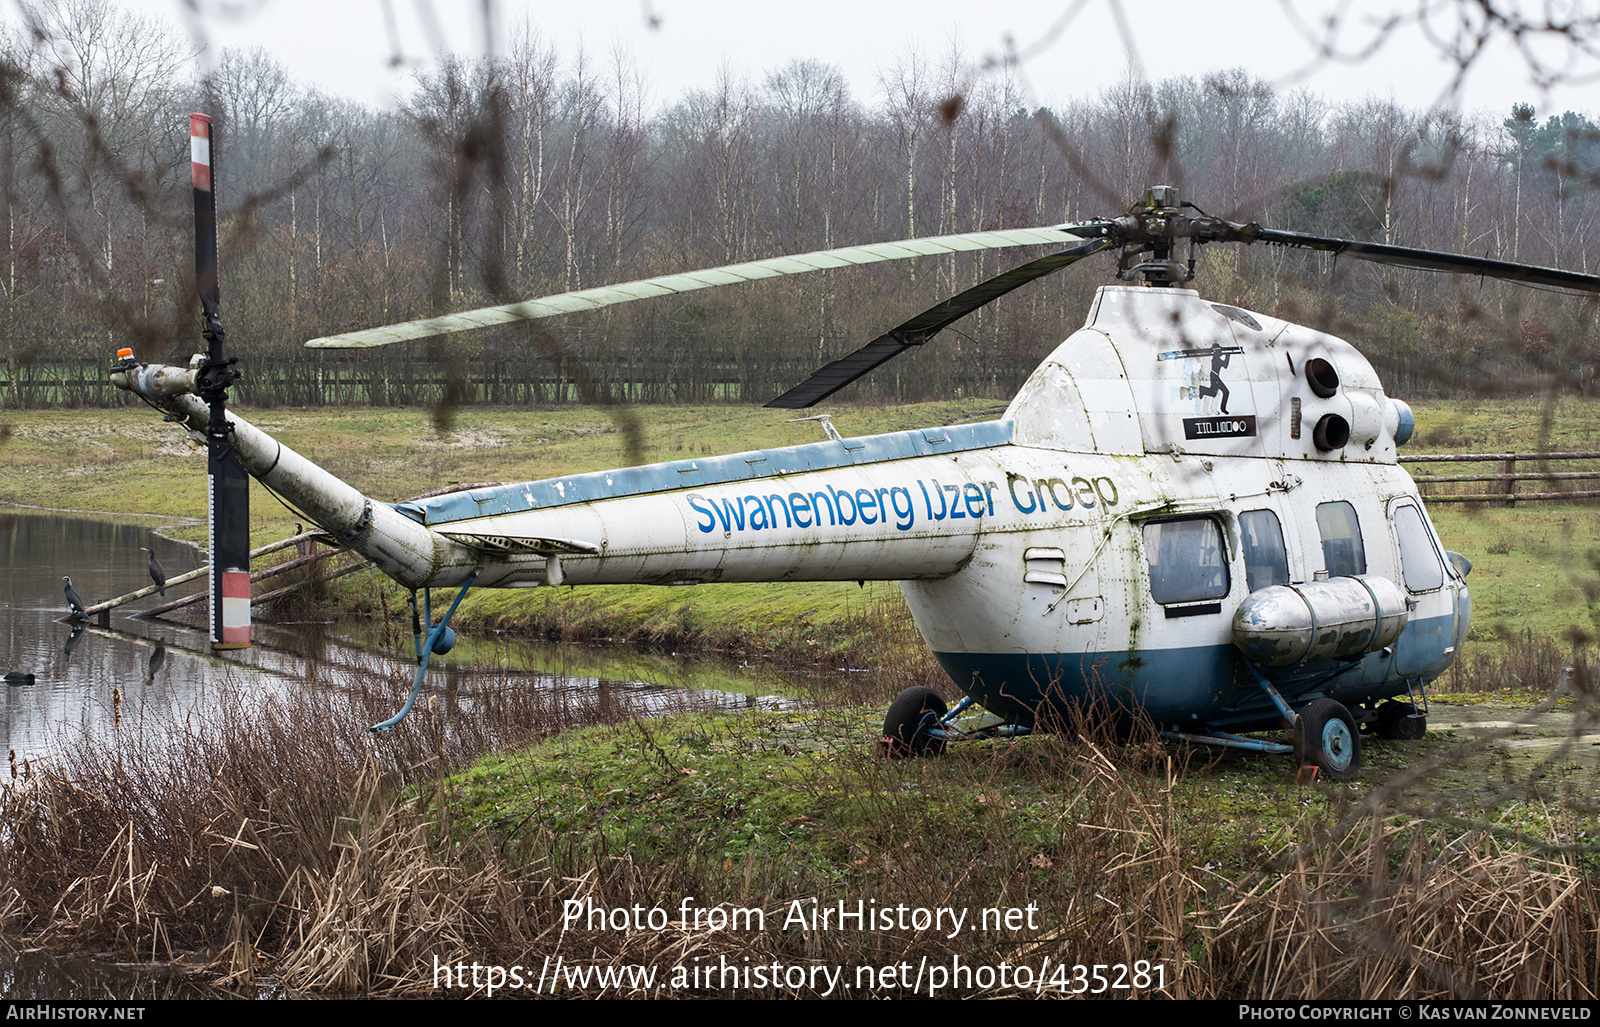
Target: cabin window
1188, 561
1342, 551
1419, 561
1266, 562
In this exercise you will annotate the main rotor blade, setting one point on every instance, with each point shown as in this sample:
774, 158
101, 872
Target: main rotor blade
835, 376
1432, 260
731, 274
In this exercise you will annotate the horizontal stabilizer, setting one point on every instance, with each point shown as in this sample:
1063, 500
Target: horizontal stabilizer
513, 544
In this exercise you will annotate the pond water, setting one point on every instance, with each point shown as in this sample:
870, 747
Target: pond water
165, 672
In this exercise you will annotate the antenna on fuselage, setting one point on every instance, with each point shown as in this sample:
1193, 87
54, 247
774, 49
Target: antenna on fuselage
827, 425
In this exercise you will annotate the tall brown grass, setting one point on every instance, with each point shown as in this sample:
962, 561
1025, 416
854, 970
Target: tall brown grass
245, 829
279, 840
1524, 662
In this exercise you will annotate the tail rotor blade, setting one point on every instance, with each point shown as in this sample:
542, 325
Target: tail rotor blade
229, 485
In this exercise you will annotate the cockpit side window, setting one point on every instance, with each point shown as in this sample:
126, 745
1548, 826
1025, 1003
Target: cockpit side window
1342, 550
1188, 560
1419, 561
1266, 562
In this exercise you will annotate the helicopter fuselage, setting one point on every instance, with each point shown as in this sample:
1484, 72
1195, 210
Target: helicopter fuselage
1163, 464
1028, 570
1168, 461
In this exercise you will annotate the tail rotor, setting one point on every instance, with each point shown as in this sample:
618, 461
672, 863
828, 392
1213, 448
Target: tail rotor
229, 484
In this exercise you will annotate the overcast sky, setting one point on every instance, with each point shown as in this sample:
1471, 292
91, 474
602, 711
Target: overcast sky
1075, 47
371, 50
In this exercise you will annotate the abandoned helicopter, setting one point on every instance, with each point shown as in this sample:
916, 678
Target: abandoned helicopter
1190, 510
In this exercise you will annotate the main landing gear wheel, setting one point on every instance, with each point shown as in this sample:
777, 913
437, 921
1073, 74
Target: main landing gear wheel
1395, 720
905, 728
1326, 737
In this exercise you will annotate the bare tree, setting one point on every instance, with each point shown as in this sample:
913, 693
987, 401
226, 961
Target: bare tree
117, 78
909, 102
530, 79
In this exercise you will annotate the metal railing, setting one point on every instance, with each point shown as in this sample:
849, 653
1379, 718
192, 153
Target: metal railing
1500, 487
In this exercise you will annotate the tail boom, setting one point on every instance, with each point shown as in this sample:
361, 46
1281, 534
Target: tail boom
411, 553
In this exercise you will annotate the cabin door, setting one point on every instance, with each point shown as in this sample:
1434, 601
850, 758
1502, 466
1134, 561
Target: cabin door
1428, 643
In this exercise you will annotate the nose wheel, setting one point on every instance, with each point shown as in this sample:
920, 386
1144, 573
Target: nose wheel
1325, 736
1401, 721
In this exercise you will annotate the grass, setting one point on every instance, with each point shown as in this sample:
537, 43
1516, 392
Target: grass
1534, 567
628, 783
285, 845
1558, 424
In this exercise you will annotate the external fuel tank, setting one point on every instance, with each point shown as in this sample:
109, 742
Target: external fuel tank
1336, 619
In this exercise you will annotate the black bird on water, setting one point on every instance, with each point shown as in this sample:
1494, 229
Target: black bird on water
158, 573
74, 602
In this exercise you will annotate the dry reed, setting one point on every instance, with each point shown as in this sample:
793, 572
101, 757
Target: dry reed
279, 842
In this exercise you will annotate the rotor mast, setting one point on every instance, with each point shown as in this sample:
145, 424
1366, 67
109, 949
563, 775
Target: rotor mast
1156, 216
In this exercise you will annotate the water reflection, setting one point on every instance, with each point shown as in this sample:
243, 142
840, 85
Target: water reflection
161, 672
30, 974
73, 671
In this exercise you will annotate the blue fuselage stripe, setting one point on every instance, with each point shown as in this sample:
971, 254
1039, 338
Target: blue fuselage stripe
1204, 686
685, 474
